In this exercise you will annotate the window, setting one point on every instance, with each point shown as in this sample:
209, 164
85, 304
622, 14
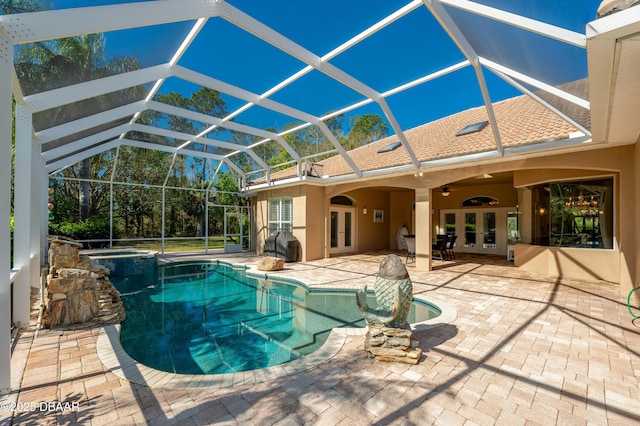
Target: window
472, 128
479, 201
390, 147
573, 214
342, 200
450, 224
280, 215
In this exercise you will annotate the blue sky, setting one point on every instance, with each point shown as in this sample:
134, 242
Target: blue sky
410, 48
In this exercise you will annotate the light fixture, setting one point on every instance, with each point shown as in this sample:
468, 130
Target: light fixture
583, 206
445, 191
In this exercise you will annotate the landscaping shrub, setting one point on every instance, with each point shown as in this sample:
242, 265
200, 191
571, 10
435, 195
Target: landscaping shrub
90, 229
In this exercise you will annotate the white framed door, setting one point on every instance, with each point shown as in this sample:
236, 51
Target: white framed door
343, 230
233, 232
482, 231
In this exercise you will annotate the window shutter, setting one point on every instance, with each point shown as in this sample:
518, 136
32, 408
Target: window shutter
286, 210
273, 210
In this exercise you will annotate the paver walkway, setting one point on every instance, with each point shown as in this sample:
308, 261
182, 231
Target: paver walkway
523, 350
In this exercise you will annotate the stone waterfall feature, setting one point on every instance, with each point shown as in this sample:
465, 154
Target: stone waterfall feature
78, 290
388, 336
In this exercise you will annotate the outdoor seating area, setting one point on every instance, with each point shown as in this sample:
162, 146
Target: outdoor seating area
451, 245
515, 354
410, 242
442, 249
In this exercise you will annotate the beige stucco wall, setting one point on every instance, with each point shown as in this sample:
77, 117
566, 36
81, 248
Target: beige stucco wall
579, 263
630, 246
582, 263
316, 211
400, 213
370, 235
423, 229
299, 210
617, 265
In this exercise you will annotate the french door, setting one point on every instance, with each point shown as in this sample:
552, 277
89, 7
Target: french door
479, 230
342, 232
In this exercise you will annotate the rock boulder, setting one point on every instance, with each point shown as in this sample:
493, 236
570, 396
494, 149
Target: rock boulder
269, 263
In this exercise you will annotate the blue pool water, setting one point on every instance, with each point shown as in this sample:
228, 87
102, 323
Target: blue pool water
211, 318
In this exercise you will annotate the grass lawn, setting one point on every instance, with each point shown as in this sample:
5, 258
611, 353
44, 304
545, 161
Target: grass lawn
190, 244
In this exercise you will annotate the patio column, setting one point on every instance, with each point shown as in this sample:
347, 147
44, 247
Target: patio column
6, 72
423, 229
26, 221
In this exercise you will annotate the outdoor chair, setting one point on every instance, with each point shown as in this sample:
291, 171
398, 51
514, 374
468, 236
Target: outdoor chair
411, 248
441, 248
450, 245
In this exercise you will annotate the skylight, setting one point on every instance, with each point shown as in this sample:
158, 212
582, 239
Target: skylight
389, 147
472, 128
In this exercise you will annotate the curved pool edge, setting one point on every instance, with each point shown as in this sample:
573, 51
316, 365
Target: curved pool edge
116, 360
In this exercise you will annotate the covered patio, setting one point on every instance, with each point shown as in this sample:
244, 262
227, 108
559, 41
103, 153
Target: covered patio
523, 349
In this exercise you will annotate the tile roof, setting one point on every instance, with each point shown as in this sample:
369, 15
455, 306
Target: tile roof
521, 121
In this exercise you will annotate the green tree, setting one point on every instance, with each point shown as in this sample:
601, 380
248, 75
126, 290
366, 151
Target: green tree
187, 212
365, 129
8, 7
136, 207
52, 64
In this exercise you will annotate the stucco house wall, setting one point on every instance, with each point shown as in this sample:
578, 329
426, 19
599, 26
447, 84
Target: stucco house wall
370, 235
316, 211
609, 265
396, 194
613, 265
299, 210
401, 212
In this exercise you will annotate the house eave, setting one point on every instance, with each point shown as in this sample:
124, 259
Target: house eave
576, 142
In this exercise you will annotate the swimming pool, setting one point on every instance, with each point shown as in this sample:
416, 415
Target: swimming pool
211, 318
126, 261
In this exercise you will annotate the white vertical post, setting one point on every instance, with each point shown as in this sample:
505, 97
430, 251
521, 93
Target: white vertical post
111, 214
163, 217
43, 213
25, 221
206, 221
111, 179
40, 215
241, 230
6, 60
224, 244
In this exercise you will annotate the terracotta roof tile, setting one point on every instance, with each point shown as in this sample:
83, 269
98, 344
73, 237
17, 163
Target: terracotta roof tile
521, 121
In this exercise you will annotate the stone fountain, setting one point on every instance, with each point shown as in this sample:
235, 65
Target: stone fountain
78, 290
388, 337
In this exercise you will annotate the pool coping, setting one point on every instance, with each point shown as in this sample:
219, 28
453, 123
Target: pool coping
117, 361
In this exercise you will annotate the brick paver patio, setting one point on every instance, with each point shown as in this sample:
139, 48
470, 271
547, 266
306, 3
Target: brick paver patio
523, 350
